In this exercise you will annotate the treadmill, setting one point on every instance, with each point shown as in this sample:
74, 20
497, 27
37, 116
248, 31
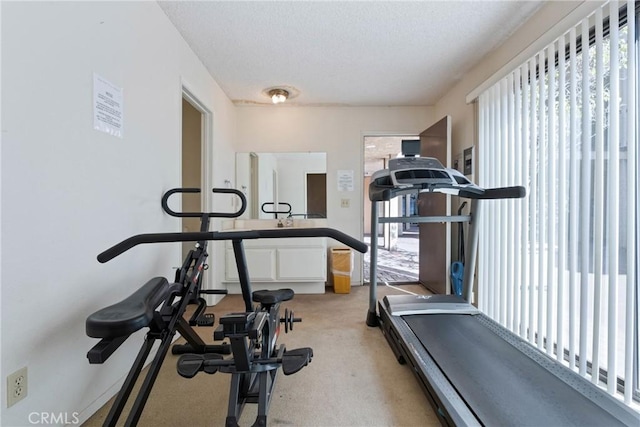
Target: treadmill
473, 370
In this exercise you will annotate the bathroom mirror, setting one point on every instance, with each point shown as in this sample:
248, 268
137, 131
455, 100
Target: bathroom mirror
281, 184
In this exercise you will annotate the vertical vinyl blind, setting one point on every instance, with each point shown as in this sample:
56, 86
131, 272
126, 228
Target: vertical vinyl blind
560, 267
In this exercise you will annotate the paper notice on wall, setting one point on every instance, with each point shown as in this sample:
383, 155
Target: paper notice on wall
345, 180
107, 107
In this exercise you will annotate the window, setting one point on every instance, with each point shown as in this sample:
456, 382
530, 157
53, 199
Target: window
560, 267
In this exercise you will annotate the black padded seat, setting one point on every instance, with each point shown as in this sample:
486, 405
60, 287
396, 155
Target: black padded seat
272, 297
131, 314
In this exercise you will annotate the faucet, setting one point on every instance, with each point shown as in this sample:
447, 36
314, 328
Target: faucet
289, 221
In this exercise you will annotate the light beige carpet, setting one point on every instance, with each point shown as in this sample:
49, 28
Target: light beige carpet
353, 380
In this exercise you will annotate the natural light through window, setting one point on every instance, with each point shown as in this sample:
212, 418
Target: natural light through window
560, 268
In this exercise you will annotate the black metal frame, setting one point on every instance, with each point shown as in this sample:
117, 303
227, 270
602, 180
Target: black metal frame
253, 334
168, 319
255, 363
253, 374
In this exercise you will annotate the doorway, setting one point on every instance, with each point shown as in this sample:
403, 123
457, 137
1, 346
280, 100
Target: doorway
398, 244
316, 195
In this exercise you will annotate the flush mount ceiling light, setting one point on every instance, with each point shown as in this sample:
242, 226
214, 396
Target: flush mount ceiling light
278, 95
281, 93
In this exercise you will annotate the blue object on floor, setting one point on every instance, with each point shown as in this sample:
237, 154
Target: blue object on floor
457, 274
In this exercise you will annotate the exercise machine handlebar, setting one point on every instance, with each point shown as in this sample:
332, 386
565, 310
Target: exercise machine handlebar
275, 210
241, 196
516, 192
129, 243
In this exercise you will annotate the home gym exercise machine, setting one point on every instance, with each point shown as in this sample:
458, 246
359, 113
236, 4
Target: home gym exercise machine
473, 370
159, 306
253, 334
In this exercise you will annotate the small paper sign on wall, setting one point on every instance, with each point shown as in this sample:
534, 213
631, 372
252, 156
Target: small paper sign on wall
107, 107
345, 180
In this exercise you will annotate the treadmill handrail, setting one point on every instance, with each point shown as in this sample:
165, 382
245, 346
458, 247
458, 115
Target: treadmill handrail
383, 193
515, 192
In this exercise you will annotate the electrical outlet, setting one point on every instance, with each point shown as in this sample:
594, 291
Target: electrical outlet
344, 203
16, 386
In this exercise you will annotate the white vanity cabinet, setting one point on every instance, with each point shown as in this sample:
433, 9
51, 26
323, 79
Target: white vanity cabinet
298, 263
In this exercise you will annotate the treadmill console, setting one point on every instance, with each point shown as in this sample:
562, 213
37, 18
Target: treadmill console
402, 163
417, 170
422, 174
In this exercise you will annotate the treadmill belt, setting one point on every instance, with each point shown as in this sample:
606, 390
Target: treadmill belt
502, 386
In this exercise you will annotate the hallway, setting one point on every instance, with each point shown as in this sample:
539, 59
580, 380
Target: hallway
397, 266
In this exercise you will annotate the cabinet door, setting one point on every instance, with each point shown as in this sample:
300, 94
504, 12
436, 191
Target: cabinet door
260, 262
302, 264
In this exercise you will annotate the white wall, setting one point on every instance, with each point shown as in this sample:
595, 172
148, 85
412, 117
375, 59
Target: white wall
68, 191
338, 131
453, 102
267, 165
292, 175
463, 115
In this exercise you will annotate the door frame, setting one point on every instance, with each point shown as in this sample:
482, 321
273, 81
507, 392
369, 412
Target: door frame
363, 136
206, 163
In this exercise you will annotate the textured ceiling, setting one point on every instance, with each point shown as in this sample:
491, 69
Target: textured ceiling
361, 53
